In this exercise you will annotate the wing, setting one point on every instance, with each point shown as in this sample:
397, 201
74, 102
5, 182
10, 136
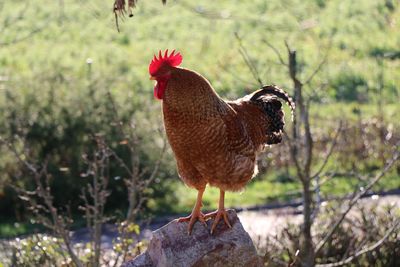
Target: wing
237, 136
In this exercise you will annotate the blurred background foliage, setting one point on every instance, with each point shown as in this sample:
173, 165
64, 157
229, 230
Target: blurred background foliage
66, 74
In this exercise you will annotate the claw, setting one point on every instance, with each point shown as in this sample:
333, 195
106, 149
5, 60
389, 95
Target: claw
196, 215
192, 218
217, 216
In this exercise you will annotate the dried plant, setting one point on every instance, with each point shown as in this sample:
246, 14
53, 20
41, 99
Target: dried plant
369, 238
95, 195
123, 7
40, 200
300, 140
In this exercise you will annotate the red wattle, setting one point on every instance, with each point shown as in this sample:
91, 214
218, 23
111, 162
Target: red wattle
156, 91
159, 89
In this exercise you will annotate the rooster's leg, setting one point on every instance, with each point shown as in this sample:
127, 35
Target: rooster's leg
196, 213
221, 212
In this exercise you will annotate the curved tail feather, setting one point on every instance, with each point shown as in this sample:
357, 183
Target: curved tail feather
268, 98
276, 91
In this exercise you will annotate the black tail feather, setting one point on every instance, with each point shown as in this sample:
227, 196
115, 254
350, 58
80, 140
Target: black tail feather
276, 91
268, 98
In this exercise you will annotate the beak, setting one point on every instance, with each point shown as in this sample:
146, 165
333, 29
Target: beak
152, 78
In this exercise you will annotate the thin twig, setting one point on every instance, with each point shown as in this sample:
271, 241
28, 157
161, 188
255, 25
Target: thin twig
57, 223
317, 69
355, 199
292, 148
329, 153
226, 15
10, 21
276, 52
23, 38
375, 246
248, 61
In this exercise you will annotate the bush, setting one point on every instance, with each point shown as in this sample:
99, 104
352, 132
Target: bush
47, 250
350, 87
47, 125
363, 229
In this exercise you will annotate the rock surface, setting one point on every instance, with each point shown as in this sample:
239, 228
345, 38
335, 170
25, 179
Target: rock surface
172, 246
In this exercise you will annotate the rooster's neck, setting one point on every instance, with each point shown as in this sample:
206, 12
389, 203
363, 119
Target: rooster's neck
189, 92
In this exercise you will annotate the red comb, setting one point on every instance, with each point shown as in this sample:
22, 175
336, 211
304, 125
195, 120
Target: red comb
173, 60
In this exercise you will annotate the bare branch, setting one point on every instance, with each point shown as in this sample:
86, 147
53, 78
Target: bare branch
57, 223
375, 246
357, 197
329, 153
12, 148
248, 61
236, 75
23, 38
293, 156
317, 69
315, 91
308, 139
276, 52
158, 163
20, 16
121, 162
227, 15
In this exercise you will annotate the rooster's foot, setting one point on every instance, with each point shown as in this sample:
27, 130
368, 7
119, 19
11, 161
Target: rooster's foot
192, 218
217, 216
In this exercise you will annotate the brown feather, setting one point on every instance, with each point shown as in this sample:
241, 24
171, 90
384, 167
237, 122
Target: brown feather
214, 141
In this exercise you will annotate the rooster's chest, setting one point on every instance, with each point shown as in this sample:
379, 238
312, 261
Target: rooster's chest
191, 136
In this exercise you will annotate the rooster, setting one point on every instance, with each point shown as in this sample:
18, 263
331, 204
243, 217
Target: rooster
215, 142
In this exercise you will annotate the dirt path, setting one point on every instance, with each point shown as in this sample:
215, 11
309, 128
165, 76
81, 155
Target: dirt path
260, 224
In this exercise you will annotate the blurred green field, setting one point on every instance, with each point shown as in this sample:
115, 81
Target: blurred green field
77, 30
60, 59
266, 190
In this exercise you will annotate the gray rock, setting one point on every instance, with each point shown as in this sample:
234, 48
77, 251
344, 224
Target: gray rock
172, 246
143, 260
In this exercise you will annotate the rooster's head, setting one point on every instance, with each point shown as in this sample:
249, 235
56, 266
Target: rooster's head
160, 70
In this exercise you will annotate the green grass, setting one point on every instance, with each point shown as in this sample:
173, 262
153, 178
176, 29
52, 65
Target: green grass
264, 190
85, 29
353, 112
255, 193
11, 229
261, 190
50, 68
